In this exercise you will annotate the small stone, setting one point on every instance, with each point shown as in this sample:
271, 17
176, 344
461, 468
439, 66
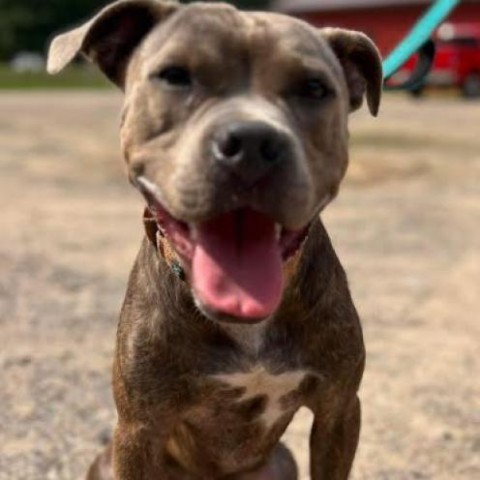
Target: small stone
448, 436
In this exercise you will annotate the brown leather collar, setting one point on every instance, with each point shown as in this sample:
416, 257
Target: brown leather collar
161, 244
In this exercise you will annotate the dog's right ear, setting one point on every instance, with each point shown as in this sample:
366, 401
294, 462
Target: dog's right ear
361, 63
110, 38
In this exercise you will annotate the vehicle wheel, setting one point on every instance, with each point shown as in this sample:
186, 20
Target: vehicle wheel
417, 92
471, 86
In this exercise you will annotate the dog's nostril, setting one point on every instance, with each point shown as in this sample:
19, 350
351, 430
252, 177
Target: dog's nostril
270, 150
230, 146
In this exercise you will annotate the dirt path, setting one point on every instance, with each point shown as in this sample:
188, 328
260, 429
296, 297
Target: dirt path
406, 226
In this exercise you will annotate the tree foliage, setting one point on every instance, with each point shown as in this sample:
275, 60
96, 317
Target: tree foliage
26, 25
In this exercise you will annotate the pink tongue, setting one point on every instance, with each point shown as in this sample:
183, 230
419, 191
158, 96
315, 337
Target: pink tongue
237, 265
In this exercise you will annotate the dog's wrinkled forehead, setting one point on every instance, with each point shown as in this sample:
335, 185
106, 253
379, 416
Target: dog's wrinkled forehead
196, 25
208, 35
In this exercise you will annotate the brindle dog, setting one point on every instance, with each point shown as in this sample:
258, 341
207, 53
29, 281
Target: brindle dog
237, 311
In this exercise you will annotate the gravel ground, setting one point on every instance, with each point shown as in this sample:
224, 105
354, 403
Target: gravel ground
406, 227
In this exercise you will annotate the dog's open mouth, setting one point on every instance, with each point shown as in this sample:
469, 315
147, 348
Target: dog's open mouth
235, 259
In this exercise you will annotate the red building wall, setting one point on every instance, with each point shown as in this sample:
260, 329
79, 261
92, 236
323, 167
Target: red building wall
386, 26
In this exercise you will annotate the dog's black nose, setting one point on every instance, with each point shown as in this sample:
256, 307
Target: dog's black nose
250, 149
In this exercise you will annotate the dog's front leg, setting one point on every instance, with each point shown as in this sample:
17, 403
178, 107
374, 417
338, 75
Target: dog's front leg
333, 443
138, 455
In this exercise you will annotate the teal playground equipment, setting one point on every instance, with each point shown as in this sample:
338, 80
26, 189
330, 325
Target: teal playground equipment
419, 40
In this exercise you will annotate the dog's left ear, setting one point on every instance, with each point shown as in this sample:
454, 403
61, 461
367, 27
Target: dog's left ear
110, 37
361, 63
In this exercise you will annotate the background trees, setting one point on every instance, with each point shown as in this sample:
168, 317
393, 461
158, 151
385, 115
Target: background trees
26, 25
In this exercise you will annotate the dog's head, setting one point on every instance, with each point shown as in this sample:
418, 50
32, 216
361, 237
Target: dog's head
234, 129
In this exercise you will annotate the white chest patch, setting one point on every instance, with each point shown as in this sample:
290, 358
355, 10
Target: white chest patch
259, 381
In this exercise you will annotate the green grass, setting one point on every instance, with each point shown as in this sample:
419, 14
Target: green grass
75, 77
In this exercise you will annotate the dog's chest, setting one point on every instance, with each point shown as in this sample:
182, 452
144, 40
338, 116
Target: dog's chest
271, 396
238, 420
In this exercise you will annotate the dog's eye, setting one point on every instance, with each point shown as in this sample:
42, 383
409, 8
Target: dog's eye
314, 89
176, 77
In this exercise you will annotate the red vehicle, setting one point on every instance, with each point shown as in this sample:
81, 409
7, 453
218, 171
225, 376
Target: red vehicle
457, 60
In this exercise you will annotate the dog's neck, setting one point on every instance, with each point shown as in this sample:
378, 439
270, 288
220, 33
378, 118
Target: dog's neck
250, 338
